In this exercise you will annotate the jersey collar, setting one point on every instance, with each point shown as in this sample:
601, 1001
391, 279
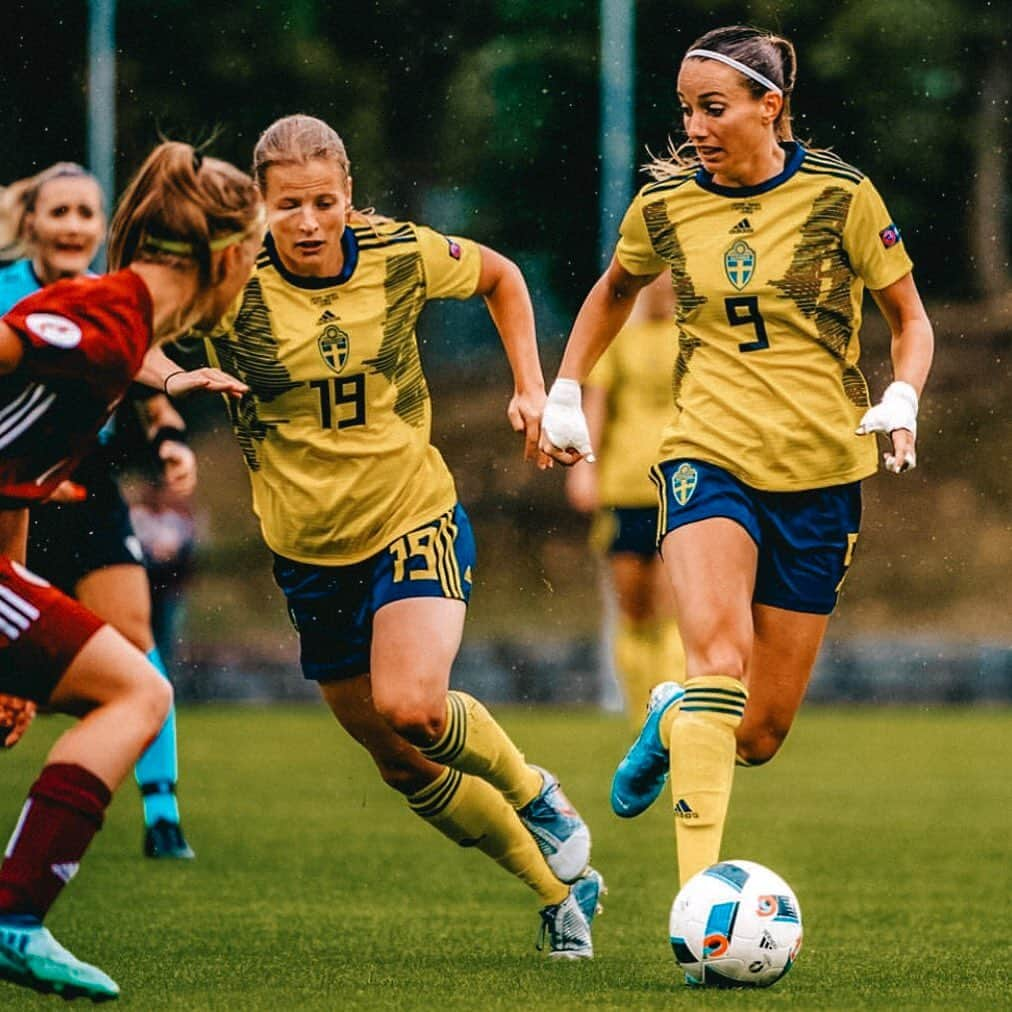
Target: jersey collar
795, 155
349, 246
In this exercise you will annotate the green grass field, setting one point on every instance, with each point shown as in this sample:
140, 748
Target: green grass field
314, 888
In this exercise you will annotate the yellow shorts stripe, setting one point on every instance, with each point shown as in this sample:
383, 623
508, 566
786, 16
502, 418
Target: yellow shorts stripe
446, 558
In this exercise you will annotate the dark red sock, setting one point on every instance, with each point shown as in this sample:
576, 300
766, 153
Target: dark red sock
64, 810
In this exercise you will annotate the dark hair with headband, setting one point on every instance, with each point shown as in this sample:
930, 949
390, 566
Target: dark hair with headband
18, 200
768, 56
182, 207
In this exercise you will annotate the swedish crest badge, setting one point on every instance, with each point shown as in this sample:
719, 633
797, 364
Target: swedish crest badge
739, 264
334, 346
683, 483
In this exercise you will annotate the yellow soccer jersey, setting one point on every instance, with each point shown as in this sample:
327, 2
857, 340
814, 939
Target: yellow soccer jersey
636, 373
769, 281
335, 429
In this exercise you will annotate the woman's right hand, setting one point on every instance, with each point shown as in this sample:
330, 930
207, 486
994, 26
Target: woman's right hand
564, 433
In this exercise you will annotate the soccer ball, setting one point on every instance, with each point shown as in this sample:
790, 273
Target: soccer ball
735, 924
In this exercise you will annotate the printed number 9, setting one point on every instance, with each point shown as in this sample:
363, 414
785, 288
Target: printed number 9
743, 309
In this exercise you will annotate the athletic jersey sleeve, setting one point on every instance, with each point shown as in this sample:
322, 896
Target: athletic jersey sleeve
873, 242
72, 328
452, 265
635, 252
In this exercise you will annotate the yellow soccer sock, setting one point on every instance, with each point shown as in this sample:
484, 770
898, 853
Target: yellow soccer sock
472, 813
474, 743
702, 749
636, 657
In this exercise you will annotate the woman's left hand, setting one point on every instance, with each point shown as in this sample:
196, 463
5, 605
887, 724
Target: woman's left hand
524, 412
16, 714
896, 416
179, 464
183, 382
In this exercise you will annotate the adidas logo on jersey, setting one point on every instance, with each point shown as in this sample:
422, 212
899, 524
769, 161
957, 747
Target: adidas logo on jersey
328, 317
65, 872
683, 810
744, 227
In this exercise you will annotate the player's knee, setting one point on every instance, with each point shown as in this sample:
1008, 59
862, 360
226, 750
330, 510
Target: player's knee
419, 721
152, 699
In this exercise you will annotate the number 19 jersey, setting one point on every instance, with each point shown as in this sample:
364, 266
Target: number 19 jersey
335, 429
769, 281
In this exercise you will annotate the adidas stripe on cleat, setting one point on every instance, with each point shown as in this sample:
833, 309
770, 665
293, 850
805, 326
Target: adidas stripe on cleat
31, 957
561, 835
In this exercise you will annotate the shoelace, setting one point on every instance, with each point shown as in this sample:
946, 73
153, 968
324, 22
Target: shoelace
545, 928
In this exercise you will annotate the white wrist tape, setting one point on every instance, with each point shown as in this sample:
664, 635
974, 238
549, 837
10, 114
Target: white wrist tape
896, 410
563, 421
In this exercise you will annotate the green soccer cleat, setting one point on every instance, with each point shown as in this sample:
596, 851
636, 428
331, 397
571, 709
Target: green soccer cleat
31, 957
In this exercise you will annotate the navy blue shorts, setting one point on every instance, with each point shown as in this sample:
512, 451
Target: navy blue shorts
67, 541
805, 539
619, 529
332, 607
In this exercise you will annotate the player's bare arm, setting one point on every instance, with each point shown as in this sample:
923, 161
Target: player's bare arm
912, 351
503, 287
604, 311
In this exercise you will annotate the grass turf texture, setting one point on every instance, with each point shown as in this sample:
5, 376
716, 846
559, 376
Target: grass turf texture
314, 888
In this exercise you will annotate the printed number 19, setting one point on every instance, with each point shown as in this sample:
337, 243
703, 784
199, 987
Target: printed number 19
743, 309
337, 392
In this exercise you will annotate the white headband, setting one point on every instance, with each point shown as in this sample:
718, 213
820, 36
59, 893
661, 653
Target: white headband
744, 68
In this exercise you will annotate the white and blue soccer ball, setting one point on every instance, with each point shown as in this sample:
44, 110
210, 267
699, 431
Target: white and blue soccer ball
735, 924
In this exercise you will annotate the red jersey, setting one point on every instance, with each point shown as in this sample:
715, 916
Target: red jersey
84, 342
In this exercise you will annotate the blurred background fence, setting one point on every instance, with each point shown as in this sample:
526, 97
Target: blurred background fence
483, 119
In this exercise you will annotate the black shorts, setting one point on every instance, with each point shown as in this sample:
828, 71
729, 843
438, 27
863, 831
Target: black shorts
67, 541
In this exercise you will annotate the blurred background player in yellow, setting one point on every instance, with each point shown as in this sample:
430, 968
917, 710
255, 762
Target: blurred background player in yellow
627, 401
81, 538
771, 247
373, 552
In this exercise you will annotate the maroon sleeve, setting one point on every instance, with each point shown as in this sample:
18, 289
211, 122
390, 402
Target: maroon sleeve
95, 329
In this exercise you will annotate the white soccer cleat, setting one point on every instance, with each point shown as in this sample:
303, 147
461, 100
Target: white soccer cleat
561, 835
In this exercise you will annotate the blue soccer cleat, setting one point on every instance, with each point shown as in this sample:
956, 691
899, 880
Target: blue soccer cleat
561, 835
640, 776
30, 956
567, 924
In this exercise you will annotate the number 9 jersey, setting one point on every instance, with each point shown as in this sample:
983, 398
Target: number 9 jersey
335, 429
769, 281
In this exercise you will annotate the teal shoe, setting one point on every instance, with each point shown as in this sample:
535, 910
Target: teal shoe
641, 775
31, 957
